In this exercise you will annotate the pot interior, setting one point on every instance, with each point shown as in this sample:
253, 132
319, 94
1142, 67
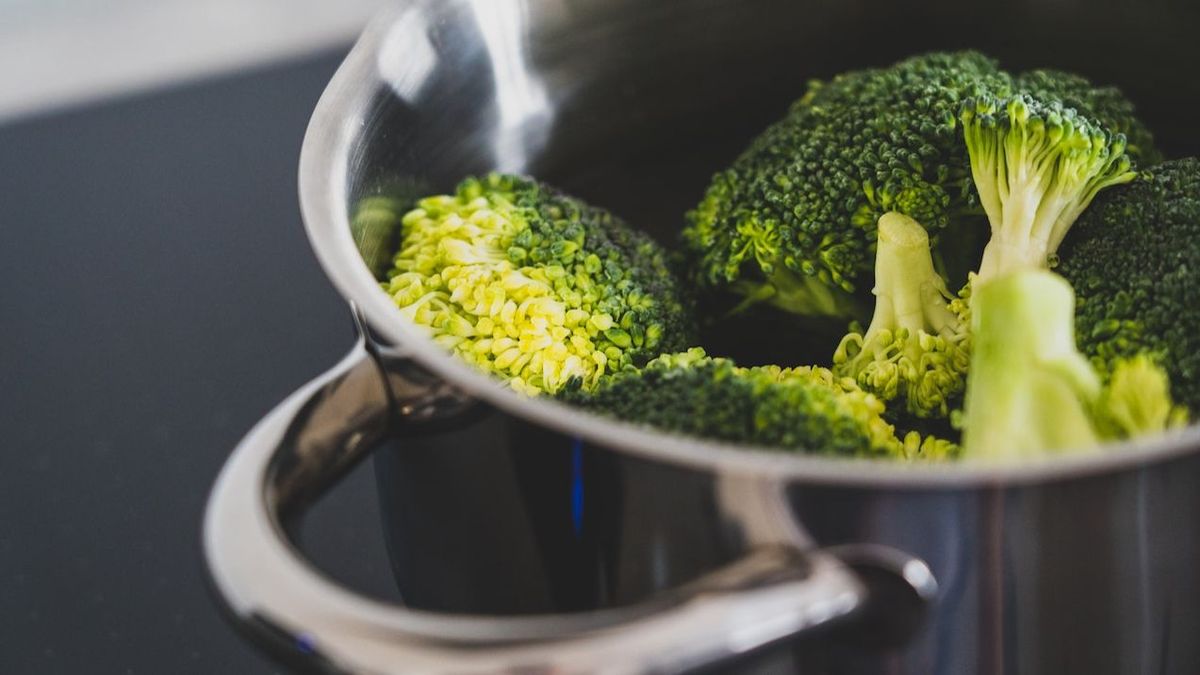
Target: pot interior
633, 105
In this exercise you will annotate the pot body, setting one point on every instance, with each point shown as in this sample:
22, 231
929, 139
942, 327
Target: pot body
633, 104
1089, 575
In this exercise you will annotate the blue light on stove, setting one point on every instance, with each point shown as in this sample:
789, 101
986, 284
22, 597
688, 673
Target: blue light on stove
577, 486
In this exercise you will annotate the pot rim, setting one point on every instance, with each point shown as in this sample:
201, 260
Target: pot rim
323, 185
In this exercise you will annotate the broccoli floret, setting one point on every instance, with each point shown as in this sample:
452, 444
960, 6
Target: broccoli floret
916, 347
1137, 400
373, 226
1105, 104
1134, 261
1031, 392
1037, 165
535, 286
807, 409
792, 221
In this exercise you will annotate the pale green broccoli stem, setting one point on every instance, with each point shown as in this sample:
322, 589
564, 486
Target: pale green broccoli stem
1036, 171
909, 292
1029, 392
915, 346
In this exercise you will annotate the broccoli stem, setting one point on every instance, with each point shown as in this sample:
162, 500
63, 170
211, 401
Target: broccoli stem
1029, 391
1021, 240
909, 293
1036, 168
916, 347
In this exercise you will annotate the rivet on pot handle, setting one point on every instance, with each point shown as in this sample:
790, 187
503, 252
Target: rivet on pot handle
314, 436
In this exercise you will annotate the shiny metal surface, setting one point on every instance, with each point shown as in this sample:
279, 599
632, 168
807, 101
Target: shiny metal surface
633, 104
1088, 564
1094, 575
774, 591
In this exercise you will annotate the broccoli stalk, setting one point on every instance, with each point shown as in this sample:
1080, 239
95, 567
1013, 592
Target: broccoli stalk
1030, 392
916, 347
1036, 166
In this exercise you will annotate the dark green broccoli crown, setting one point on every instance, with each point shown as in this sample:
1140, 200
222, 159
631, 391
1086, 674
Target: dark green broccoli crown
1134, 261
800, 409
807, 193
636, 281
535, 286
792, 220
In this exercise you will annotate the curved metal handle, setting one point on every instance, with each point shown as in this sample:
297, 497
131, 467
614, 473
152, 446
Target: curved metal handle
311, 438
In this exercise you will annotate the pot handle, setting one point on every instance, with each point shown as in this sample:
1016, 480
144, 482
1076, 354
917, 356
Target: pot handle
314, 436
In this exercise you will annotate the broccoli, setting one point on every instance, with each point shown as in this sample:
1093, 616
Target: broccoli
1106, 104
373, 225
792, 220
1134, 261
1137, 400
1031, 392
807, 409
535, 286
916, 347
1037, 165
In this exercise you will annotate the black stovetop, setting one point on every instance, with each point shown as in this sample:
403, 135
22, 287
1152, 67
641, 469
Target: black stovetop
159, 298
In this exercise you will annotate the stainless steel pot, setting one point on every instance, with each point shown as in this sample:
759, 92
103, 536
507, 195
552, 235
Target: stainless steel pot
570, 543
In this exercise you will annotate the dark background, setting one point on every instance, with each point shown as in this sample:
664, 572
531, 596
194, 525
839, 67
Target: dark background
159, 297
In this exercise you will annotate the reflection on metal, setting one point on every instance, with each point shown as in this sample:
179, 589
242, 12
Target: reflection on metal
407, 58
769, 594
1079, 565
521, 98
759, 506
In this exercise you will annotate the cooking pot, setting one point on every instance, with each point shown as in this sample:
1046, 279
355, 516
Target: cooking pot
527, 536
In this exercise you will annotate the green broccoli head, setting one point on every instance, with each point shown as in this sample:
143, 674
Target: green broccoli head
807, 409
534, 286
1107, 105
1031, 392
1037, 165
916, 348
1134, 261
793, 219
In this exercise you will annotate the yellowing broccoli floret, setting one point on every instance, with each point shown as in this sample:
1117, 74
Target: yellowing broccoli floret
534, 286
